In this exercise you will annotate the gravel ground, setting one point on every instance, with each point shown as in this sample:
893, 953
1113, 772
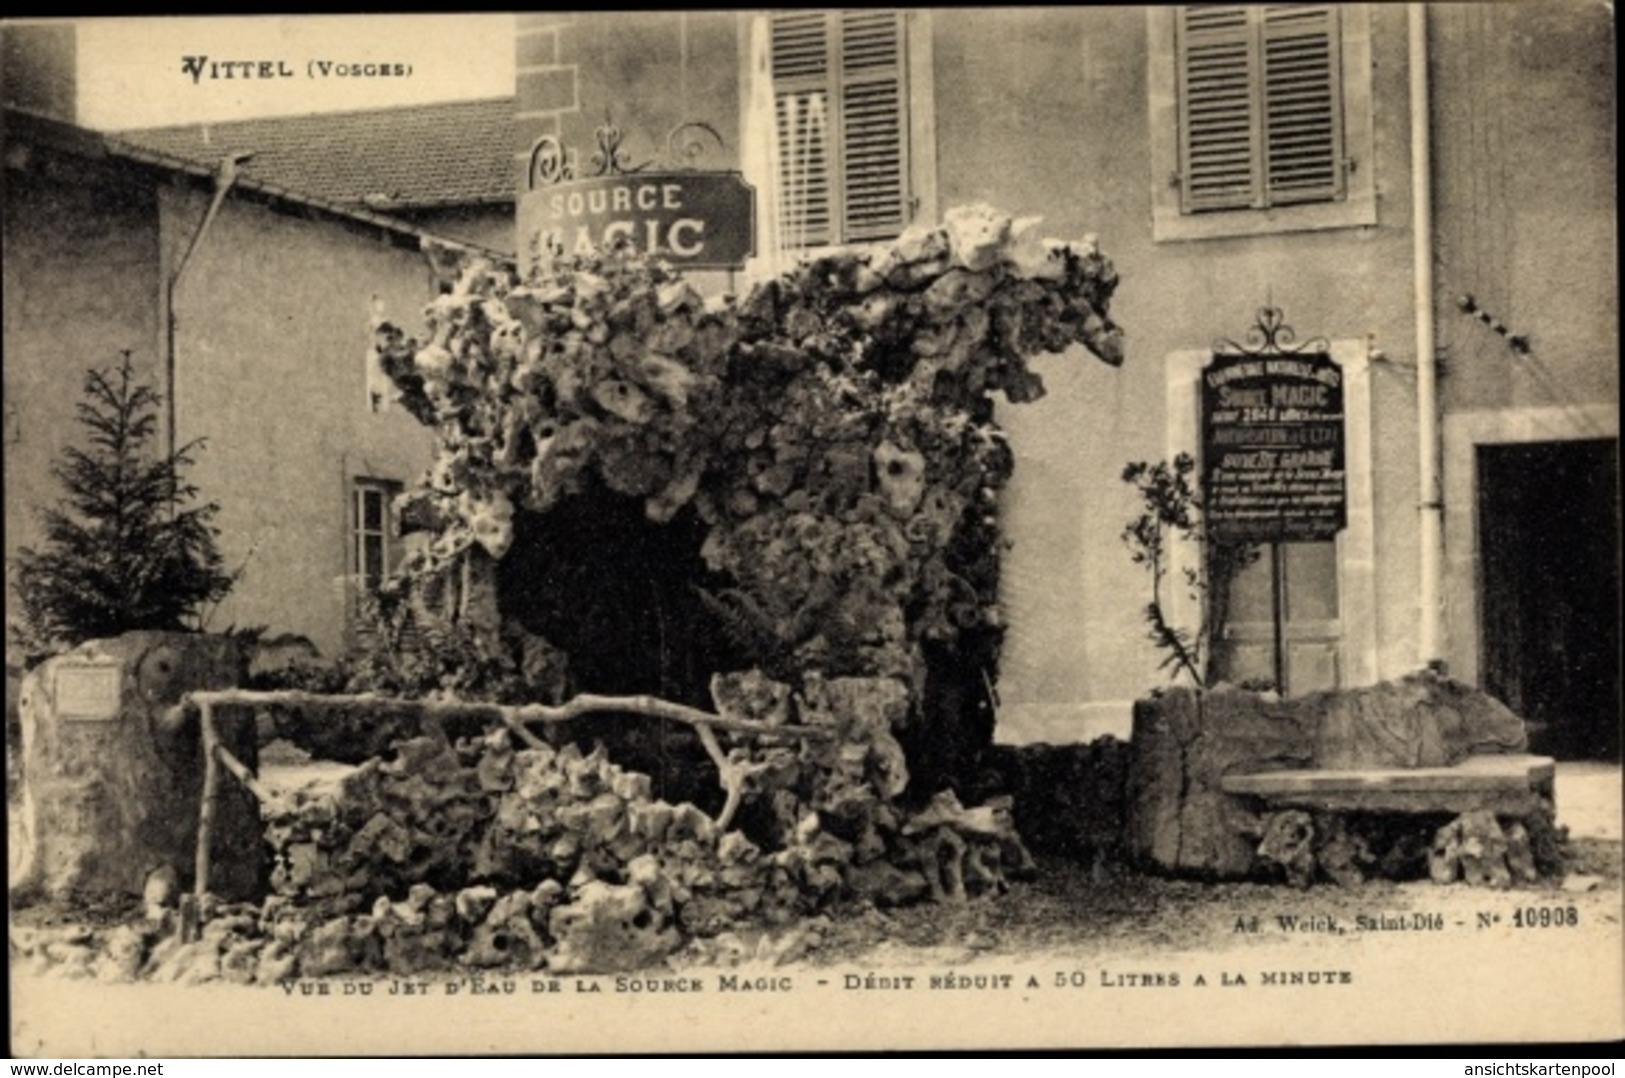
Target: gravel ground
1074, 958
1073, 913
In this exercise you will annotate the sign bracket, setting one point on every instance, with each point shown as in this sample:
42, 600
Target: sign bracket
1269, 335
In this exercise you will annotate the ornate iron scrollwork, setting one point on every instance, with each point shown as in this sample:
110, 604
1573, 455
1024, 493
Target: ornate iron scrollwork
610, 160
549, 164
689, 142
1270, 336
687, 145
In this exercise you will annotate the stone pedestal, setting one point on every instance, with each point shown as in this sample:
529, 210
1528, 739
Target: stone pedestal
110, 792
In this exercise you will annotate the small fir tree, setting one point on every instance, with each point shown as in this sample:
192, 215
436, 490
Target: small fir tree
127, 549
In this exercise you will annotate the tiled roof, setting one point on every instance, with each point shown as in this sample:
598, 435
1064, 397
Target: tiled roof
24, 126
452, 153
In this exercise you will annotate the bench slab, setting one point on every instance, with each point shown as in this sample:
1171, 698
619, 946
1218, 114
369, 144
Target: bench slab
1504, 785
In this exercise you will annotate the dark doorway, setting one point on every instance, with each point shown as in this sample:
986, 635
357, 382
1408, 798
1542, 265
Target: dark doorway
1548, 526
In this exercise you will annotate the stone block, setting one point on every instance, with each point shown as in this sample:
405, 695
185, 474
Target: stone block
1185, 744
1421, 720
112, 787
549, 89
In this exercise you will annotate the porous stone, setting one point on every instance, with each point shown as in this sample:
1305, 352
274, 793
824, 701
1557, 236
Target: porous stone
606, 928
1288, 842
123, 953
507, 937
340, 945
1483, 851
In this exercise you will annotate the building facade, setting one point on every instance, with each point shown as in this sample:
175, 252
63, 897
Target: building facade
1430, 190
248, 307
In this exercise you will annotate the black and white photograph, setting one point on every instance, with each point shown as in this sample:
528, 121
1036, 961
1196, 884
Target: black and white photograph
812, 530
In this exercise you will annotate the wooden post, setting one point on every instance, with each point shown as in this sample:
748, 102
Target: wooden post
211, 790
1278, 613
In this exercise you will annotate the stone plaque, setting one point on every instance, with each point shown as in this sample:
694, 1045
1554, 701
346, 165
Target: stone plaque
89, 693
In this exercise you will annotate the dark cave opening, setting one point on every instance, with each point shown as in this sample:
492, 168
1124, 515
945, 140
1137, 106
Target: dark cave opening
619, 594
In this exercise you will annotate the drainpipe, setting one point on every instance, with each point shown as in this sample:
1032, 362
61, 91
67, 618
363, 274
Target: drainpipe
223, 180
1431, 504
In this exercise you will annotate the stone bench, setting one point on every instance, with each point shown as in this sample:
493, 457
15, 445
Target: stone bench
1501, 810
1229, 784
1504, 785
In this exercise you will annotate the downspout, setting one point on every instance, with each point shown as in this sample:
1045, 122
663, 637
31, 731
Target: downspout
223, 180
1431, 504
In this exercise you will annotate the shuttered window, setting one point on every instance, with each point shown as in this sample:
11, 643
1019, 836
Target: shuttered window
840, 107
1260, 106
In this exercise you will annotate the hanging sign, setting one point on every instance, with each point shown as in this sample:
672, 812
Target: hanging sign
694, 220
1272, 447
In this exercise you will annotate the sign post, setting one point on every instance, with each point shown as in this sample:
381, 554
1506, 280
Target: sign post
1273, 448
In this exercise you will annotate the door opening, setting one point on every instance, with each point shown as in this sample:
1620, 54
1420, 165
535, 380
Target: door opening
1549, 559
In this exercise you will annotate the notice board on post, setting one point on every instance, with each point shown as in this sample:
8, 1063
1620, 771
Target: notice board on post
1273, 447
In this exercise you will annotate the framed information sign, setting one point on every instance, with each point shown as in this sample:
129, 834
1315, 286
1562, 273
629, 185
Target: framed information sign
1273, 447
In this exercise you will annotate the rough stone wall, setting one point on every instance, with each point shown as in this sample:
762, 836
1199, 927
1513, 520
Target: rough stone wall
480, 854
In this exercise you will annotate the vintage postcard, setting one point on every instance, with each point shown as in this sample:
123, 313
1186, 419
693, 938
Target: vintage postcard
813, 530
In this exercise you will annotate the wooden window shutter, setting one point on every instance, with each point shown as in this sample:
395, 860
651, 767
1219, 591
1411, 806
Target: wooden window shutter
1303, 109
839, 99
874, 138
803, 78
1260, 106
1219, 109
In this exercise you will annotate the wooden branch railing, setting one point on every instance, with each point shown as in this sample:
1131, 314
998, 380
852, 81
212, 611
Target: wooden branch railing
585, 704
516, 718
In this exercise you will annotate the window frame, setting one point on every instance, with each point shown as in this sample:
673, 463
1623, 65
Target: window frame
357, 531
1358, 206
918, 123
